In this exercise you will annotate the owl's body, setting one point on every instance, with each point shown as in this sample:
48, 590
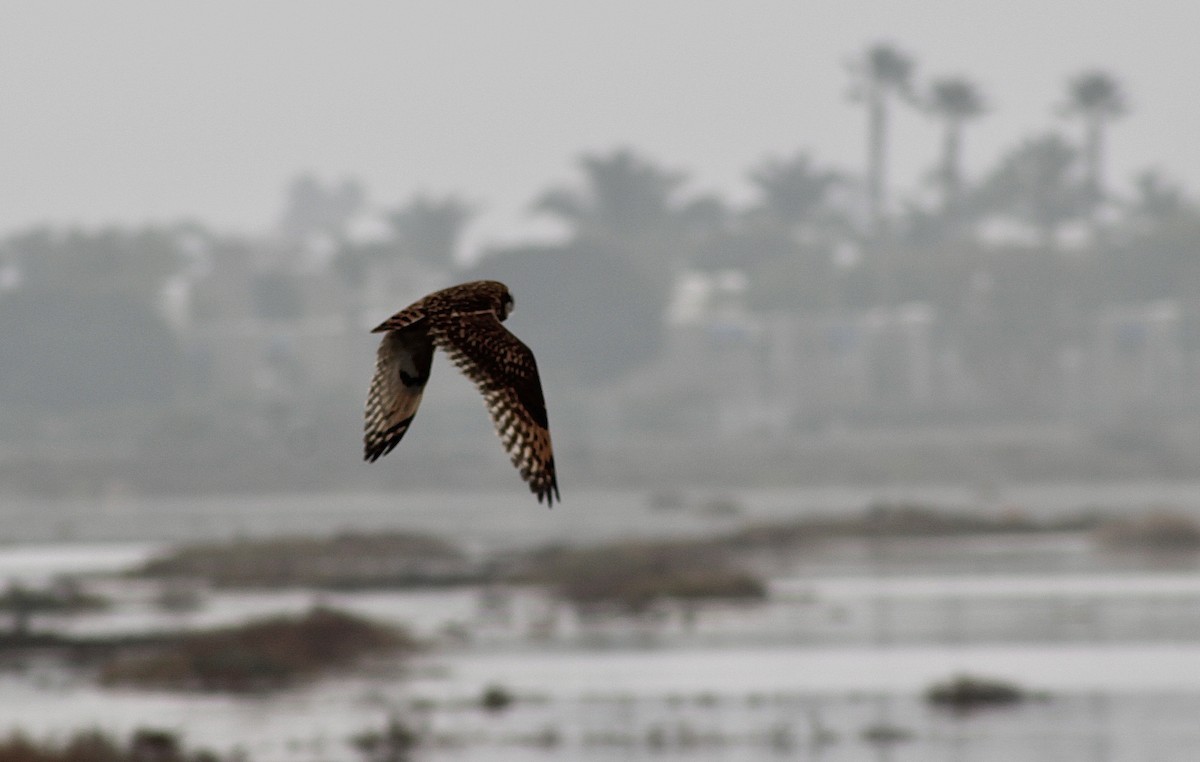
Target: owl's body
465, 322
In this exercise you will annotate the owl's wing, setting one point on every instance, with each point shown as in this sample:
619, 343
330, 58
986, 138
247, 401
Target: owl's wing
401, 371
405, 318
506, 374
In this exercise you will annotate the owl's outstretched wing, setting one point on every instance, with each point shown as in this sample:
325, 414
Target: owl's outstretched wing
401, 371
405, 318
506, 374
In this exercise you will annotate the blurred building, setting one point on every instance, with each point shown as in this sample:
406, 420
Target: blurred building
728, 370
1140, 362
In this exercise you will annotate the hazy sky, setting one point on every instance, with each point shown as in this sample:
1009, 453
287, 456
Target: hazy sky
135, 110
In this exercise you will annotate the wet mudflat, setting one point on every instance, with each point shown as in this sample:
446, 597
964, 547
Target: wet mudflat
833, 664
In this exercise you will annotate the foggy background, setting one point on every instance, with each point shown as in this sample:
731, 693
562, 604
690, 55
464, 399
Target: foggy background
774, 244
869, 334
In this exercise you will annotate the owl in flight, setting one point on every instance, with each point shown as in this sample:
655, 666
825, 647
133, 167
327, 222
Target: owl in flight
464, 321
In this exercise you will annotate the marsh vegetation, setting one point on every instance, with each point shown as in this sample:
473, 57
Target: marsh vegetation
263, 655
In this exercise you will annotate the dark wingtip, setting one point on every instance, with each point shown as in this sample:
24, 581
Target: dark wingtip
373, 451
549, 492
372, 454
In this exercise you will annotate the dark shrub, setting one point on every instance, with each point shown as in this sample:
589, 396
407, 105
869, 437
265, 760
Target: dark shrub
965, 693
496, 698
1158, 531
633, 575
269, 654
146, 745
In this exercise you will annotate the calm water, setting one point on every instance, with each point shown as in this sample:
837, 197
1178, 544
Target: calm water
512, 517
1135, 703
847, 641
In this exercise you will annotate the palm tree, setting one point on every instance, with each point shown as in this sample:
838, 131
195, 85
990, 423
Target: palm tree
1035, 183
955, 101
624, 197
429, 229
883, 73
786, 243
793, 191
1158, 198
1095, 97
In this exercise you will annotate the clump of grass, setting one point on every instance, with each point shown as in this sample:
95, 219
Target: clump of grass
893, 520
633, 575
95, 746
22, 604
64, 597
966, 693
1161, 530
344, 561
264, 655
496, 698
885, 734
394, 743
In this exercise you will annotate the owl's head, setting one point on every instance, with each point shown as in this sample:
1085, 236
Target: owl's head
506, 305
493, 294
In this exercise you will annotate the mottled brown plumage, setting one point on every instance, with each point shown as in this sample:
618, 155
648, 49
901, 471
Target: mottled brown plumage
463, 321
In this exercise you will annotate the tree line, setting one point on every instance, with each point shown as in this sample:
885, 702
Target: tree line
816, 240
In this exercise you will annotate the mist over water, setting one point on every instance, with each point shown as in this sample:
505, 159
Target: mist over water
870, 349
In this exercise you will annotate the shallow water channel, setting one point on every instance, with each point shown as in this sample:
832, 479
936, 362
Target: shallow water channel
831, 667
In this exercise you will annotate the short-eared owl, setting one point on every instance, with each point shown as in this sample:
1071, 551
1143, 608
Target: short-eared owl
464, 321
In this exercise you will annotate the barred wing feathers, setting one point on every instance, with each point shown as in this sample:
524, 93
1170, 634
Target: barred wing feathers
405, 318
402, 367
505, 372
